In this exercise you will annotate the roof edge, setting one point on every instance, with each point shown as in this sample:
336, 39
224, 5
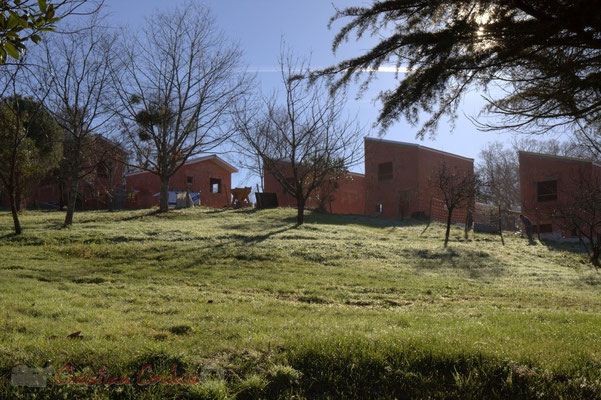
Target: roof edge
557, 157
419, 146
213, 157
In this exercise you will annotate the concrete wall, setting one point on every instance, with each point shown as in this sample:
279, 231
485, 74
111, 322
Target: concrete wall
147, 184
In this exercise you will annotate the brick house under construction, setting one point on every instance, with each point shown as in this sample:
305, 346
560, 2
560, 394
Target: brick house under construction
396, 183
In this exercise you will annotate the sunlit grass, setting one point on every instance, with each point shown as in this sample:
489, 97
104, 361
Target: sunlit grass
285, 310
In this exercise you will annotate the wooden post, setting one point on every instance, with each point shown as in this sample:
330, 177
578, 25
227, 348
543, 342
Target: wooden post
501, 226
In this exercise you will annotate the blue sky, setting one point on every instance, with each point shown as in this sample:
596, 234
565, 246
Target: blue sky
260, 25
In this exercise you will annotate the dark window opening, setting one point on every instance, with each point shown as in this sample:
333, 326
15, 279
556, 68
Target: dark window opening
190, 180
544, 228
379, 208
102, 170
215, 185
385, 171
547, 191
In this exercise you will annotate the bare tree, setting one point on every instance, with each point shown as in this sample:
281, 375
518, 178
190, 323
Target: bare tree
499, 174
457, 188
177, 86
74, 74
582, 214
304, 141
498, 169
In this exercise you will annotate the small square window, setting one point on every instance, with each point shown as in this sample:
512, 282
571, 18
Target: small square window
189, 180
547, 191
215, 185
385, 172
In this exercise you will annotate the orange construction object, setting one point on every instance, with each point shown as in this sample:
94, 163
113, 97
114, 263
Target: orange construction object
240, 197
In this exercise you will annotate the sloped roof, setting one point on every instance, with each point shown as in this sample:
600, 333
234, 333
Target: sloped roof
213, 157
419, 146
560, 158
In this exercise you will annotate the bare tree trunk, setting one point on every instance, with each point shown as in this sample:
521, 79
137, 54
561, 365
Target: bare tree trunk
300, 216
18, 199
61, 196
596, 250
537, 225
164, 199
467, 225
448, 232
72, 201
501, 226
15, 212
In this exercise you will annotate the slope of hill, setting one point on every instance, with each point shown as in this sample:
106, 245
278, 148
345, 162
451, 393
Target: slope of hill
252, 307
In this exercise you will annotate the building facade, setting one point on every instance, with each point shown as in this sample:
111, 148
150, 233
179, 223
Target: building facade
208, 179
101, 182
345, 195
547, 185
398, 180
397, 184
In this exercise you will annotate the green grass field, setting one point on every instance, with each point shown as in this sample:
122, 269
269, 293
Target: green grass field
342, 307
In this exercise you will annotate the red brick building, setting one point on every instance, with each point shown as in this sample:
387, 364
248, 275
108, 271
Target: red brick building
103, 177
547, 183
208, 178
346, 196
396, 183
398, 179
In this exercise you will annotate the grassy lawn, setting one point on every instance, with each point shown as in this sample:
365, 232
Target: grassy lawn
342, 307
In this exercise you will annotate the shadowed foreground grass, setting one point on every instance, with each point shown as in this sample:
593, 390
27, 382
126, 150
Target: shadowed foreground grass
246, 305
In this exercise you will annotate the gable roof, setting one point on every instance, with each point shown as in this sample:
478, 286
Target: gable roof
217, 160
419, 146
213, 157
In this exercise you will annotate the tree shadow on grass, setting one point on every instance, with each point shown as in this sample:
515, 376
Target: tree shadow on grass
317, 217
476, 264
233, 246
572, 247
254, 238
148, 213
